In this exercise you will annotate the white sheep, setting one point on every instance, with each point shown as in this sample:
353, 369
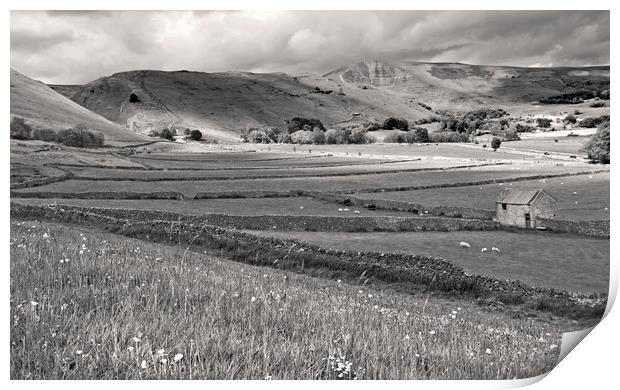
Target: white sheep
495, 249
464, 244
483, 250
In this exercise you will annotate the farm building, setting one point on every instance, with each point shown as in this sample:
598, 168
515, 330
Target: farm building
521, 207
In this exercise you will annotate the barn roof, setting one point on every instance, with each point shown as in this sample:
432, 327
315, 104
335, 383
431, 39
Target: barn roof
523, 197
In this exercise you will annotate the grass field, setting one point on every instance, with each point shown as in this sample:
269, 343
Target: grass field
561, 261
92, 305
244, 206
591, 201
326, 184
240, 171
570, 145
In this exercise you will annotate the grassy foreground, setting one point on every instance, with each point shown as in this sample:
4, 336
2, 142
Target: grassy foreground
90, 305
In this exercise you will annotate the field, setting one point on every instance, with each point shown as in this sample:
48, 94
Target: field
561, 261
191, 279
192, 315
581, 197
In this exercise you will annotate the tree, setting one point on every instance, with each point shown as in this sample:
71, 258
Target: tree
133, 98
299, 123
598, 146
569, 119
392, 123
495, 143
318, 136
20, 129
166, 134
543, 122
196, 135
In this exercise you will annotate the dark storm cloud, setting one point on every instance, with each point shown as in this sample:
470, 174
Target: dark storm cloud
76, 47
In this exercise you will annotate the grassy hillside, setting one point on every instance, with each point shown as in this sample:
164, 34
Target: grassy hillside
44, 108
221, 104
441, 85
86, 305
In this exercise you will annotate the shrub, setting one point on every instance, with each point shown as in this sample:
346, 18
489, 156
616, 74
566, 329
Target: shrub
195, 135
318, 136
396, 123
360, 137
394, 138
448, 136
569, 119
20, 129
597, 104
543, 122
334, 136
372, 126
258, 137
80, 136
299, 123
511, 135
47, 135
421, 134
520, 128
598, 146
274, 134
495, 143
186, 131
301, 137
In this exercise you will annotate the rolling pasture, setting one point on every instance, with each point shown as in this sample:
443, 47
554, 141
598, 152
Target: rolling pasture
580, 197
188, 315
561, 261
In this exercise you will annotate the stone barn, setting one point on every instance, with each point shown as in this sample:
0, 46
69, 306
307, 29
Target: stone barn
521, 207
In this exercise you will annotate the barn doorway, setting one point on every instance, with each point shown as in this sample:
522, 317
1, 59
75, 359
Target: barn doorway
528, 221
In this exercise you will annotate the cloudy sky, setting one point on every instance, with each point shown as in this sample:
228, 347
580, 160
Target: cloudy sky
77, 47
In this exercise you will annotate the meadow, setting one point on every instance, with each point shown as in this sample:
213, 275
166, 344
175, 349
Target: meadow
581, 197
88, 304
561, 261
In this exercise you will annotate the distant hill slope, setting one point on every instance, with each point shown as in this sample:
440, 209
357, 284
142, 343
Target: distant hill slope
44, 108
222, 104
444, 84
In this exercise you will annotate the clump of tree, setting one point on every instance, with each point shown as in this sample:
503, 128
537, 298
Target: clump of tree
164, 133
47, 135
448, 136
569, 120
599, 145
521, 128
543, 123
593, 122
392, 123
20, 129
307, 124
575, 97
80, 136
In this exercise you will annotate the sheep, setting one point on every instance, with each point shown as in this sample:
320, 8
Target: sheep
495, 249
483, 250
464, 244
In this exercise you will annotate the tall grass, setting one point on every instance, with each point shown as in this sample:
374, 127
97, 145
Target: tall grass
88, 305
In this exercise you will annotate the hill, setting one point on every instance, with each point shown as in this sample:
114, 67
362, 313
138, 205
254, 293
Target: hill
222, 104
44, 108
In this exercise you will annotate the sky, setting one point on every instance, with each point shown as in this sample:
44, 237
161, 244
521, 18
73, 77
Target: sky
75, 47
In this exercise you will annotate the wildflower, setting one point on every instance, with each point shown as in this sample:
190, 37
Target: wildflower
432, 332
453, 316
417, 355
143, 365
458, 308
178, 357
160, 351
130, 349
79, 352
136, 340
267, 378
471, 354
163, 361
553, 346
407, 337
253, 299
453, 311
339, 281
488, 351
34, 303
369, 295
